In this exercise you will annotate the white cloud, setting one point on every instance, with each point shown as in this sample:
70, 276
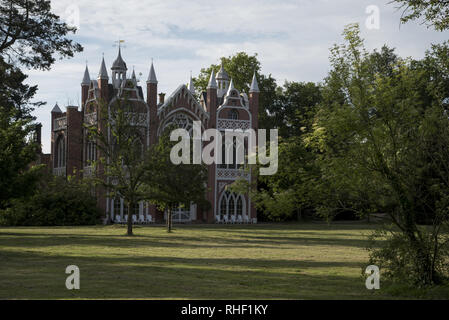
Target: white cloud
291, 37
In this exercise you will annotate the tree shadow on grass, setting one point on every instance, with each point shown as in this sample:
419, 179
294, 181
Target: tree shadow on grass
34, 275
8, 239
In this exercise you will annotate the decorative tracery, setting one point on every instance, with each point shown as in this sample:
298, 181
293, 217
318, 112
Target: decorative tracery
181, 121
231, 204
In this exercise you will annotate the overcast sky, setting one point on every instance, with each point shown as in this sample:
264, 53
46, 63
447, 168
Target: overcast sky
292, 39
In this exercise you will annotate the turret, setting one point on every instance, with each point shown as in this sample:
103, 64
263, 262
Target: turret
191, 86
222, 81
134, 78
55, 113
118, 70
103, 80
211, 101
152, 103
85, 87
254, 101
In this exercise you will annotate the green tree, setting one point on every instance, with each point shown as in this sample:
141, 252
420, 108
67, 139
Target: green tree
168, 185
17, 151
121, 142
293, 107
31, 35
434, 12
386, 133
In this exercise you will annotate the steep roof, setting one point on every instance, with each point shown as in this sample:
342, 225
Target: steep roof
222, 74
254, 85
86, 78
152, 75
119, 63
103, 74
56, 109
212, 82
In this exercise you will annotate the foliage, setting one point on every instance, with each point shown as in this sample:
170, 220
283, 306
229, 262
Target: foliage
17, 152
434, 12
15, 95
293, 107
31, 35
386, 134
121, 142
57, 202
168, 185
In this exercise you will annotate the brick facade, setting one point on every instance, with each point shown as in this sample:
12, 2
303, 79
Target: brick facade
221, 107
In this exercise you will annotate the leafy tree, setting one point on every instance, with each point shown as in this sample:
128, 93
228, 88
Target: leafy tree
288, 193
121, 142
17, 152
31, 35
386, 133
15, 95
293, 107
169, 185
434, 12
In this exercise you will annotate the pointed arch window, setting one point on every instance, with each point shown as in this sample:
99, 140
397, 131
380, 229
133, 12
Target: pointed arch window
91, 152
239, 205
224, 206
60, 154
117, 206
231, 204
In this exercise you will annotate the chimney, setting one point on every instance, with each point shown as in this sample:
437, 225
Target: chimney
161, 98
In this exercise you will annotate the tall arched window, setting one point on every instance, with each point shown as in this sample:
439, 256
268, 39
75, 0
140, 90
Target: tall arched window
227, 148
239, 205
91, 152
60, 155
223, 206
136, 209
117, 206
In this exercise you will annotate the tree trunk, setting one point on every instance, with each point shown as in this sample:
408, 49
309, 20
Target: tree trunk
298, 214
169, 224
130, 220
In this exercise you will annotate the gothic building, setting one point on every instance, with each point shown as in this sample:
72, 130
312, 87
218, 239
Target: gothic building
222, 107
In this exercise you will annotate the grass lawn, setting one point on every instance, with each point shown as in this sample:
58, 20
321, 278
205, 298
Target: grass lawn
265, 261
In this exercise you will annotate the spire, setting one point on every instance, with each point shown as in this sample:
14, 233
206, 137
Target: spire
86, 78
212, 82
152, 76
254, 85
231, 87
133, 77
222, 74
103, 74
119, 63
56, 109
191, 85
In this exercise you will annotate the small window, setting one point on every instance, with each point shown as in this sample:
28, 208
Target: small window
233, 114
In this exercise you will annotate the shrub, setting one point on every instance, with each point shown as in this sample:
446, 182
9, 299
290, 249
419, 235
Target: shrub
58, 202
